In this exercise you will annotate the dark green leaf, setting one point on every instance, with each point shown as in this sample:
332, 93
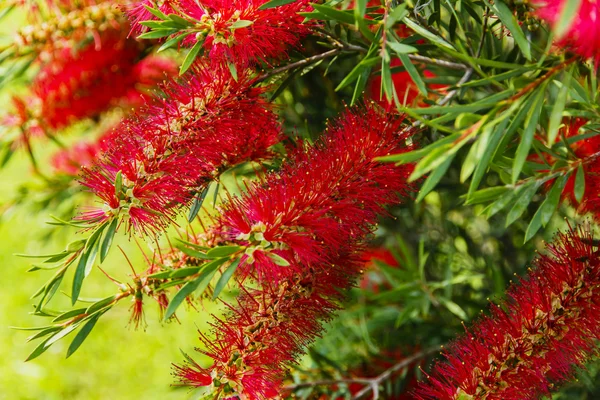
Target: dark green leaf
523, 199
197, 204
69, 314
39, 350
275, 3
82, 334
485, 195
332, 13
528, 134
100, 304
158, 33
414, 74
183, 272
556, 115
433, 179
579, 189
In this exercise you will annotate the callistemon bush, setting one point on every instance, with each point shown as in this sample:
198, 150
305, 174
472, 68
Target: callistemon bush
303, 229
234, 163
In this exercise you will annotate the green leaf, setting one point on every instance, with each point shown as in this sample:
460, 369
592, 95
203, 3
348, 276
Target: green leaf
184, 272
557, 111
157, 13
400, 48
83, 334
199, 283
192, 253
223, 251
100, 304
190, 57
64, 332
552, 199
44, 332
489, 152
524, 198
414, 74
485, 195
386, 78
222, 282
579, 189
278, 260
197, 204
426, 34
39, 350
180, 21
275, 3
508, 19
69, 314
332, 13
233, 71
568, 13
108, 239
172, 42
528, 134
240, 23
396, 15
454, 308
158, 33
433, 179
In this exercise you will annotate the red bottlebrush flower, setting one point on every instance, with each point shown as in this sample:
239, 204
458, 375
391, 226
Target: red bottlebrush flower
305, 217
241, 33
305, 228
176, 145
531, 342
583, 36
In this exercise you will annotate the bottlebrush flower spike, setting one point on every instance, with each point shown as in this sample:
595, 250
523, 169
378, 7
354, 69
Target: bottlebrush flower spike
322, 196
85, 83
532, 341
174, 147
239, 31
305, 229
71, 22
583, 36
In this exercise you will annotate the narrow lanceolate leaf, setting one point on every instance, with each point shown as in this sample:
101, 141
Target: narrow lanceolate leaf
475, 154
426, 34
278, 260
86, 260
222, 282
528, 134
487, 194
200, 284
579, 189
275, 3
568, 13
400, 48
434, 178
39, 350
488, 155
83, 334
332, 13
508, 19
197, 204
190, 57
108, 239
523, 200
240, 23
547, 208
414, 74
557, 111
222, 251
